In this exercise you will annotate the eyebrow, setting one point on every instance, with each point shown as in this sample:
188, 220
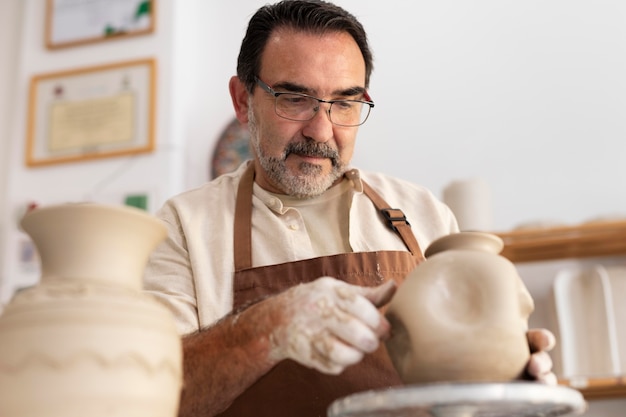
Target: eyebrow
297, 88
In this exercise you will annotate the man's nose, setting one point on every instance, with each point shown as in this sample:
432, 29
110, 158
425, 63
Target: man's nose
320, 128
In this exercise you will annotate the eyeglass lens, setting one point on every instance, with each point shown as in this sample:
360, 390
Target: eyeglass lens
300, 108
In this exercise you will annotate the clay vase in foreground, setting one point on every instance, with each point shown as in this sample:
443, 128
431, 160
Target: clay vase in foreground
86, 341
461, 315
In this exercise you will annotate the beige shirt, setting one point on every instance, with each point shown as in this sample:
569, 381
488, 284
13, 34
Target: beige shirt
325, 217
192, 271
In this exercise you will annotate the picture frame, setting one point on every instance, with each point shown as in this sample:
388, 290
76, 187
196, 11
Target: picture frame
78, 22
92, 112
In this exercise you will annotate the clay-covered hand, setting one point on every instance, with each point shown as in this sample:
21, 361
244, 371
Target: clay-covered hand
539, 366
328, 324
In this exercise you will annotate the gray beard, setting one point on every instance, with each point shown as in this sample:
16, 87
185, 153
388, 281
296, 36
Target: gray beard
310, 182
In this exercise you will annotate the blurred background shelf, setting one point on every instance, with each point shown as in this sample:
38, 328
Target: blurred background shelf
598, 388
601, 238
588, 240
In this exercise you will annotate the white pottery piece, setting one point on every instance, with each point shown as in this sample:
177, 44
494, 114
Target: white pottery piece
86, 341
586, 324
617, 280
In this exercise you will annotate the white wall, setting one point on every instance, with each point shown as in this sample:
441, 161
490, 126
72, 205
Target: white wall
10, 16
528, 95
158, 174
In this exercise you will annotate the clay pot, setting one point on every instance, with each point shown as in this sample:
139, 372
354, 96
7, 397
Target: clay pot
86, 341
461, 315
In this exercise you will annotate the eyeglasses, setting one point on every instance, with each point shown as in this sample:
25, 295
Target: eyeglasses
302, 107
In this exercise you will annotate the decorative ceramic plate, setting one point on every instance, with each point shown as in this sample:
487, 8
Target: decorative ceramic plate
233, 148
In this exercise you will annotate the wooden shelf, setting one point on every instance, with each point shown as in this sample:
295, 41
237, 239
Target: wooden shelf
582, 241
598, 388
594, 239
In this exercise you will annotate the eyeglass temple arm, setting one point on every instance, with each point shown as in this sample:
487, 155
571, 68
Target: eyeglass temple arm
368, 98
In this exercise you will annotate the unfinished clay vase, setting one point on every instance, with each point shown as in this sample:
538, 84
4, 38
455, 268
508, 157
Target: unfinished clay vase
461, 315
86, 341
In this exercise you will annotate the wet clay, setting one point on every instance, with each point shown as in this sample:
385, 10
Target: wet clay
461, 316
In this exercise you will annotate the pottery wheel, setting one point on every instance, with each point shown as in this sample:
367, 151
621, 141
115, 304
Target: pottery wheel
515, 399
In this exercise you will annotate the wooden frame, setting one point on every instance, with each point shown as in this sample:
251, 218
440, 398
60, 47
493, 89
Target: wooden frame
72, 22
94, 112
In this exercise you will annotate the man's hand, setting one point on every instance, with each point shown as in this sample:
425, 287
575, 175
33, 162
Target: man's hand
540, 364
328, 324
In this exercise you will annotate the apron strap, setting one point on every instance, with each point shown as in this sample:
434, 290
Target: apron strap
242, 241
396, 220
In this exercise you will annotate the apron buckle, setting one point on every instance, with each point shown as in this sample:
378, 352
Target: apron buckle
393, 216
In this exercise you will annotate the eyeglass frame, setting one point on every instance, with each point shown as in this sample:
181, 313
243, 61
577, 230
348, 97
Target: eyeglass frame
267, 88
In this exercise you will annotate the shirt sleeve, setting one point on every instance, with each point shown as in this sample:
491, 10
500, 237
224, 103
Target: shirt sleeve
168, 275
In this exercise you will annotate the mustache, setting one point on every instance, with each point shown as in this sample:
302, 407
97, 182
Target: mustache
313, 149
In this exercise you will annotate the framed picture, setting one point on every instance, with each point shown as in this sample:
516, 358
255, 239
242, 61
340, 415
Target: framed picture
76, 22
94, 112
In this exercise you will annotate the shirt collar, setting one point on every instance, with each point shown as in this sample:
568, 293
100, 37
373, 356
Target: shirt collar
274, 203
354, 176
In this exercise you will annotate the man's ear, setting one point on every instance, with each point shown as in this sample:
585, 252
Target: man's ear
239, 95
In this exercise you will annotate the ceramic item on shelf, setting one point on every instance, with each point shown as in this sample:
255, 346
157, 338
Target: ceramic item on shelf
86, 341
461, 315
587, 329
616, 276
470, 201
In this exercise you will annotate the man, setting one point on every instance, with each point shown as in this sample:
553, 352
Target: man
275, 272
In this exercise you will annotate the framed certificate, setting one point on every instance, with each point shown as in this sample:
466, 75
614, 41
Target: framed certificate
94, 112
76, 22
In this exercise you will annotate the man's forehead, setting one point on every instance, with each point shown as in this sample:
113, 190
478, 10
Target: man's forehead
299, 58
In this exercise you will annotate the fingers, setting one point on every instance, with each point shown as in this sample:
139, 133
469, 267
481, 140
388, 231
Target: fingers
353, 331
351, 301
331, 356
364, 306
358, 326
328, 324
540, 340
548, 379
539, 366
381, 295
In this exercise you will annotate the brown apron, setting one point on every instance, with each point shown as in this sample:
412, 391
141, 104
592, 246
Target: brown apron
291, 389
